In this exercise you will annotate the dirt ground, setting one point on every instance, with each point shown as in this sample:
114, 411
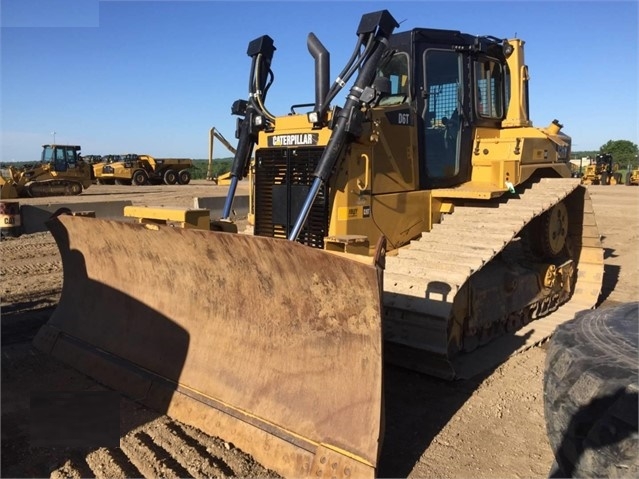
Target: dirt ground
490, 426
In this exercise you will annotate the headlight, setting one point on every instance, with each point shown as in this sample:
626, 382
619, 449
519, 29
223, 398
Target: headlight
313, 117
508, 49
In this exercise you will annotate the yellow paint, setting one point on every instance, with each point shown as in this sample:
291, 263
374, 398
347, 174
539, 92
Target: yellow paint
345, 213
185, 217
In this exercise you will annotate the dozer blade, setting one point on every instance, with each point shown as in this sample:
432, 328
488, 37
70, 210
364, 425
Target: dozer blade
8, 189
271, 345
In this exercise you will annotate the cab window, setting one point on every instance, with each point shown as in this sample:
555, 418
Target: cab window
392, 79
489, 89
47, 155
72, 156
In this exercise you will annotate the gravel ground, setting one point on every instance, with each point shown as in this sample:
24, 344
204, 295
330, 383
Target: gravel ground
491, 426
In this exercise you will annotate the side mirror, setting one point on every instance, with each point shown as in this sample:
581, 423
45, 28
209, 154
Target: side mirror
382, 85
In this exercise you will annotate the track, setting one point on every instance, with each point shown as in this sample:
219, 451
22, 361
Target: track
53, 187
151, 445
421, 283
163, 448
33, 268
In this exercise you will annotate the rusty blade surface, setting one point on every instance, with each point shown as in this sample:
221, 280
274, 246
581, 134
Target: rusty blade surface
269, 344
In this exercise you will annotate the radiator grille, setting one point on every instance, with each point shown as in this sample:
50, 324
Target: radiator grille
283, 177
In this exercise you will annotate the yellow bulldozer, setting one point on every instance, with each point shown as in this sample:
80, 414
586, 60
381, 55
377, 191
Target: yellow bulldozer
61, 172
424, 221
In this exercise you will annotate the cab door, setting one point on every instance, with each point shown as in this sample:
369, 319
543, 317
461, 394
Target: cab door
60, 160
445, 131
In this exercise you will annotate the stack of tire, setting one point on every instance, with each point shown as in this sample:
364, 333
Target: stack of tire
590, 394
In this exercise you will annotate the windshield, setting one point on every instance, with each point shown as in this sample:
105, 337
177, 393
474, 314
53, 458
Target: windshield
47, 154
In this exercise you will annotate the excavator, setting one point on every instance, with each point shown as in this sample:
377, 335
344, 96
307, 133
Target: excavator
224, 178
61, 172
424, 222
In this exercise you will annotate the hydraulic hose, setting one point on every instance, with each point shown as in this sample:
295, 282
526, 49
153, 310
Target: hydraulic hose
344, 125
261, 52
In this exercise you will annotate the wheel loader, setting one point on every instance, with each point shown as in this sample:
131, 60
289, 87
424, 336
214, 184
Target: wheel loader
423, 221
604, 171
61, 172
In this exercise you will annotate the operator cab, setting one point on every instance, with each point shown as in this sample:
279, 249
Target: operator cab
452, 82
63, 157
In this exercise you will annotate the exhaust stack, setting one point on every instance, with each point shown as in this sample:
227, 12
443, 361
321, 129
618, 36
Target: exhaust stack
322, 69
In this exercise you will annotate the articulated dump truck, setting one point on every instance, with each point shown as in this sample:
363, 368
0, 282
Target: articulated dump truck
424, 222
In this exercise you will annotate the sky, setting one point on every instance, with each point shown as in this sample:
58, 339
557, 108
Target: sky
153, 76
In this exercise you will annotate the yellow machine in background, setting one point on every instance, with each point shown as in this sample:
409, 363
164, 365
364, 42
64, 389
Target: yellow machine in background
602, 172
426, 222
98, 166
632, 177
93, 159
61, 172
132, 169
224, 179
